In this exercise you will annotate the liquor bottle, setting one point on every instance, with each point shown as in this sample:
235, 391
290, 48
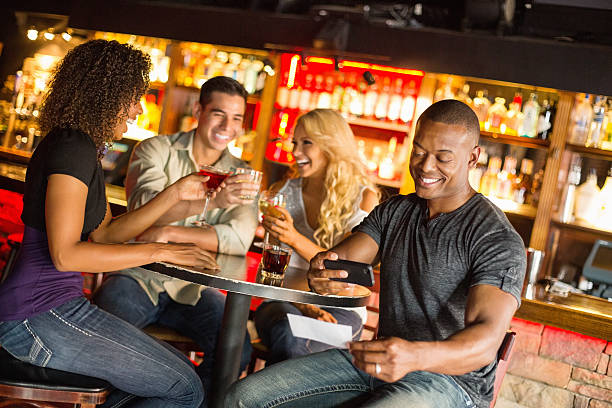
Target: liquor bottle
382, 105
316, 91
349, 93
606, 203
475, 174
395, 102
325, 97
481, 106
386, 168
588, 200
488, 184
294, 96
506, 178
356, 108
306, 93
369, 102
251, 76
514, 117
531, 114
445, 91
581, 121
408, 103
595, 130
496, 114
336, 99
523, 183
282, 97
547, 115
569, 192
463, 95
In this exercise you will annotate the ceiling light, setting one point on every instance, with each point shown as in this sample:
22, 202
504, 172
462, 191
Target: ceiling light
49, 35
66, 36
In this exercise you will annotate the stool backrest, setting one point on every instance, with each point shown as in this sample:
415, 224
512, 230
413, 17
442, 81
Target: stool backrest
503, 359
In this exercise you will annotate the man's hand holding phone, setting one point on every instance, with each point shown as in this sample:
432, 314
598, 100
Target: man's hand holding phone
319, 277
338, 270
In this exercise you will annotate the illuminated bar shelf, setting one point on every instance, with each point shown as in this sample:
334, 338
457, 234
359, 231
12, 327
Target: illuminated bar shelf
378, 124
529, 142
590, 151
511, 207
582, 226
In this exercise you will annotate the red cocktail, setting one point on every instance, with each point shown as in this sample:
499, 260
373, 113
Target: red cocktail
215, 178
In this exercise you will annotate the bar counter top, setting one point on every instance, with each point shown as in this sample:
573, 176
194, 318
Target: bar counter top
584, 314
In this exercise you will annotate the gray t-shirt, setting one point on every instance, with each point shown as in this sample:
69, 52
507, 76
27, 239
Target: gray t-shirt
428, 266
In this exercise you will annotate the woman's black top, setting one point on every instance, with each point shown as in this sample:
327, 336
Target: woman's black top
71, 152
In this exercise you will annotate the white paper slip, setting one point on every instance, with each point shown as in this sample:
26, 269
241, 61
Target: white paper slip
337, 335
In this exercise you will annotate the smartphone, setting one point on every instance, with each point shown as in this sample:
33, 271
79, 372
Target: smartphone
358, 272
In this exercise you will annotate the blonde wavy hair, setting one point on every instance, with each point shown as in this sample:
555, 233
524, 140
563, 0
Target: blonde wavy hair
346, 173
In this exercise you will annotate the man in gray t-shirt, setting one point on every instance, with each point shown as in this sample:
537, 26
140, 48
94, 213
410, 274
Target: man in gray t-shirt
452, 269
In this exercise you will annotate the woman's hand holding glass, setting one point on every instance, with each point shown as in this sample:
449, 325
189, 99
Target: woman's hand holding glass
279, 224
269, 201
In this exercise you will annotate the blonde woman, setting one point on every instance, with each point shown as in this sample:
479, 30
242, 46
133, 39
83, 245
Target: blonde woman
328, 193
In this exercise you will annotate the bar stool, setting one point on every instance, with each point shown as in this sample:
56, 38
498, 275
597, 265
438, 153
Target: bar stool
26, 385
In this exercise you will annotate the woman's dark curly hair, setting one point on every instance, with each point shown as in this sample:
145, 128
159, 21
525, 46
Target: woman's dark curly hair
93, 87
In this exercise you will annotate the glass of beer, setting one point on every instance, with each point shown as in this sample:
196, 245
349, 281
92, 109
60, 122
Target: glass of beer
216, 177
268, 201
254, 176
274, 262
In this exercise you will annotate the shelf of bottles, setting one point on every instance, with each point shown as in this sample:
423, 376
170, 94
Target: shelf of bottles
587, 206
590, 130
199, 62
369, 96
513, 139
20, 102
513, 193
583, 203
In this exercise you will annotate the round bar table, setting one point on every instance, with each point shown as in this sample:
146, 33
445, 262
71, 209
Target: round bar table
239, 282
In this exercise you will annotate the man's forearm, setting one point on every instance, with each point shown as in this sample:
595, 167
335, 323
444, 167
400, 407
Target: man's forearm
205, 238
180, 211
465, 351
358, 247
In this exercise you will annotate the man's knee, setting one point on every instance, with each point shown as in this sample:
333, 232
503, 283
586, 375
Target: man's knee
123, 297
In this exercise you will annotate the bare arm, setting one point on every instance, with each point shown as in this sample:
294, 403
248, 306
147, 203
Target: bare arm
358, 247
64, 213
488, 314
205, 238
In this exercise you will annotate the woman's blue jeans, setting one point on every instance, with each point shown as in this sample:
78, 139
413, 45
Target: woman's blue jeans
273, 328
329, 379
81, 338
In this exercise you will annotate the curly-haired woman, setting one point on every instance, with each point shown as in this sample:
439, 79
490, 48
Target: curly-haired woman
328, 194
44, 318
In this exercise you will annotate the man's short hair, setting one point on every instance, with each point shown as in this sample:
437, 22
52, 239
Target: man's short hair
221, 84
453, 112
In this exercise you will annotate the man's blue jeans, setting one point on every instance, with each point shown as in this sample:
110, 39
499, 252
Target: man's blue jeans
273, 329
122, 296
329, 379
80, 338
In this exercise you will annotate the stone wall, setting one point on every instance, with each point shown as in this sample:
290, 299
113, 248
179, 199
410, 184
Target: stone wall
550, 367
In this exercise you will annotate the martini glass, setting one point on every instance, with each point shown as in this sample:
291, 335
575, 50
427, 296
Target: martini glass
216, 177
